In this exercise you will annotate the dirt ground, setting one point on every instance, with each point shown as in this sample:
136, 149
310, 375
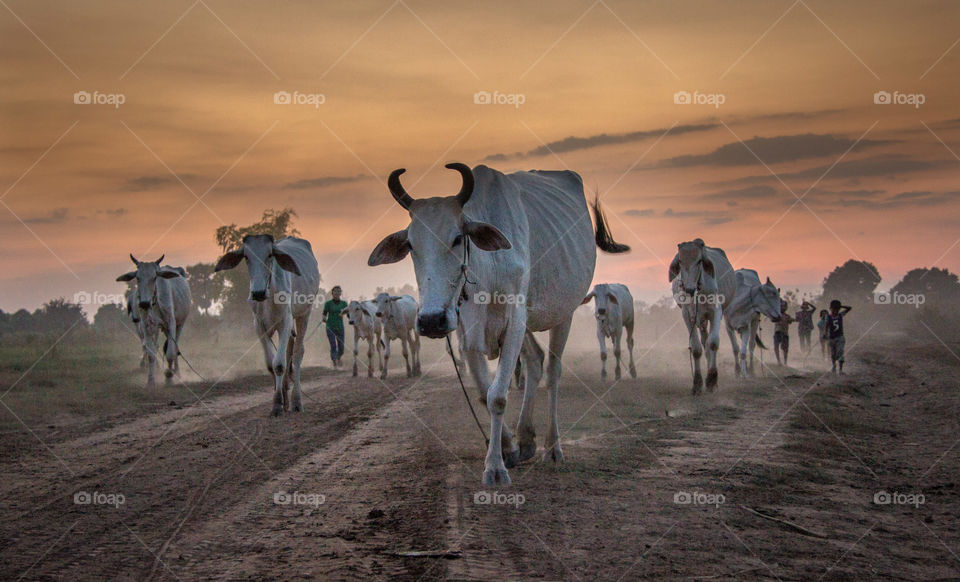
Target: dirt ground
782, 476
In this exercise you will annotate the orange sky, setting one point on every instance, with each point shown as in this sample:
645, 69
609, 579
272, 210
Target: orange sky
81, 185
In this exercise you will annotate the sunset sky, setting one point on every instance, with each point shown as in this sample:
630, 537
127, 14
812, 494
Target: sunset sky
82, 185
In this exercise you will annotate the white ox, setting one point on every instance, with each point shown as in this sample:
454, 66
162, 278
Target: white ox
614, 313
751, 301
398, 314
366, 326
163, 298
535, 266
703, 286
284, 280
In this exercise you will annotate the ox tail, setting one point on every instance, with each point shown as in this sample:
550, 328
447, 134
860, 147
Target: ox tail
760, 343
605, 240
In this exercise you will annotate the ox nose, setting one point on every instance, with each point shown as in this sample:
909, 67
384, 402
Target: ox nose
258, 295
379, 314
601, 311
433, 324
144, 305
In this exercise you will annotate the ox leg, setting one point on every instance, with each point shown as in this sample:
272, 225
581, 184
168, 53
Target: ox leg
379, 356
369, 358
386, 358
288, 368
603, 352
696, 351
735, 346
633, 368
151, 353
278, 365
615, 340
712, 347
415, 348
532, 368
296, 359
356, 349
558, 341
405, 345
495, 472
477, 363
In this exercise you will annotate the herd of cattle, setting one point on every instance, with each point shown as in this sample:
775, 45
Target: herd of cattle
507, 256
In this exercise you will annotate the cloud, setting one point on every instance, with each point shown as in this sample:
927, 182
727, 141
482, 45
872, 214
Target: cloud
144, 183
114, 212
890, 165
574, 143
756, 192
707, 217
772, 150
910, 199
323, 182
640, 212
55, 216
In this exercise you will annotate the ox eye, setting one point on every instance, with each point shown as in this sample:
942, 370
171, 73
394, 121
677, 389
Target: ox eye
458, 240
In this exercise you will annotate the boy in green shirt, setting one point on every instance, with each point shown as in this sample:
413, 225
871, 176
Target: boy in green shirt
333, 317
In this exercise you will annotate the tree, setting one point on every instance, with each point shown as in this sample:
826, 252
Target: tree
207, 288
854, 281
57, 316
110, 318
939, 287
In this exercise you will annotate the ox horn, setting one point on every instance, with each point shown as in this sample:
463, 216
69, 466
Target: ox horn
158, 261
463, 196
396, 188
134, 259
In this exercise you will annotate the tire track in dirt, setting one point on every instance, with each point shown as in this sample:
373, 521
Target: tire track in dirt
160, 475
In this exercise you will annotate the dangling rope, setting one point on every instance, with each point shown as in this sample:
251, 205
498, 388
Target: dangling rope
465, 395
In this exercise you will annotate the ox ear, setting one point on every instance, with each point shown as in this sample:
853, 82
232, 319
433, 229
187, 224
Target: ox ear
587, 299
168, 273
286, 262
486, 236
708, 267
127, 276
674, 269
229, 260
390, 250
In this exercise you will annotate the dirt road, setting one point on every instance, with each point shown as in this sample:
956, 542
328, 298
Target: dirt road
770, 478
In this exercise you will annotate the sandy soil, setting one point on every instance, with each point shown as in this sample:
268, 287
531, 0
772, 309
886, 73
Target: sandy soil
384, 479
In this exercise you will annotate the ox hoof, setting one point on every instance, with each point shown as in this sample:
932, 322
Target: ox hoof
355, 373
603, 374
616, 375
168, 373
511, 458
697, 383
527, 451
633, 372
151, 385
277, 411
496, 478
711, 380
553, 454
